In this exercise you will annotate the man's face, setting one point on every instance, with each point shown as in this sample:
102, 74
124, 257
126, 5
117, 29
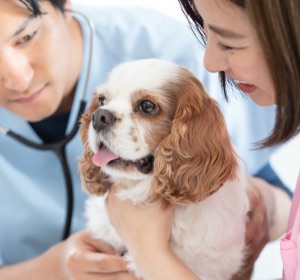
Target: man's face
37, 70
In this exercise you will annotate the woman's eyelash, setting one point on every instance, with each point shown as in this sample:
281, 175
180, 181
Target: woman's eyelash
224, 47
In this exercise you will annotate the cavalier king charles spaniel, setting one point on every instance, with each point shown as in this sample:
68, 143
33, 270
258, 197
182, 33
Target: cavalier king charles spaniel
152, 128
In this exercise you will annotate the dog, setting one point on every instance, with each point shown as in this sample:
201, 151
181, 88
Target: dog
153, 128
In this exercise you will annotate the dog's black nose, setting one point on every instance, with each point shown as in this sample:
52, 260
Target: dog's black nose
102, 118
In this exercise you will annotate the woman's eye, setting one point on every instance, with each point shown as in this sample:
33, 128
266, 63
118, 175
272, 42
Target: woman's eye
224, 47
102, 101
148, 107
26, 38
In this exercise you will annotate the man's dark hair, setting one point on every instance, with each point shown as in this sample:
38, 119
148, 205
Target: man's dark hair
34, 7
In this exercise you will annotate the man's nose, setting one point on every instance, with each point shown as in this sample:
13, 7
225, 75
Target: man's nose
15, 71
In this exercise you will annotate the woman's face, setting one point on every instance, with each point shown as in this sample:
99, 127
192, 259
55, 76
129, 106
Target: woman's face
232, 47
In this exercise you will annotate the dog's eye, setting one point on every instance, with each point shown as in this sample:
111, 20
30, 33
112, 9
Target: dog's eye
102, 101
148, 107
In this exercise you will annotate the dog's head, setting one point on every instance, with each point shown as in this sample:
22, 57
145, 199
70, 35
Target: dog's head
154, 118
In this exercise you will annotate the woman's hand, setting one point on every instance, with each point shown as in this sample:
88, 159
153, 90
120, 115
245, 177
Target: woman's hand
139, 224
145, 230
267, 220
257, 232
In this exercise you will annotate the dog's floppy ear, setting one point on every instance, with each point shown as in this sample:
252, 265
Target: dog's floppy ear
93, 180
197, 158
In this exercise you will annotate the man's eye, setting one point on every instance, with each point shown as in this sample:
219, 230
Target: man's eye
26, 38
148, 107
102, 101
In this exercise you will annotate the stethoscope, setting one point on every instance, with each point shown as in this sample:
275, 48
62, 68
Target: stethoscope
59, 148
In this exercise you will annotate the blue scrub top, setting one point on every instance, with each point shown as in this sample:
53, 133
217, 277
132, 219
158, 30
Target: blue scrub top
32, 189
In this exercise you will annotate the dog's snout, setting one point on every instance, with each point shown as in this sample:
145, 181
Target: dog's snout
102, 118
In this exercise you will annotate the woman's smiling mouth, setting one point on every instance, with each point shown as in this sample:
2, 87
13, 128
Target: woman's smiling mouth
245, 87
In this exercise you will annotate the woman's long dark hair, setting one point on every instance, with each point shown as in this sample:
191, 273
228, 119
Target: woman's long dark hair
277, 25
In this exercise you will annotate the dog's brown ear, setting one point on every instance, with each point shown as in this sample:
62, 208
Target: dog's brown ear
93, 180
197, 158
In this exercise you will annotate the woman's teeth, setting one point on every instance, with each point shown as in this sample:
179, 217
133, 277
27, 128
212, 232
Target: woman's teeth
241, 82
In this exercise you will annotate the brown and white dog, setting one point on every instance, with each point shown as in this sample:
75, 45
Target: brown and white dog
153, 128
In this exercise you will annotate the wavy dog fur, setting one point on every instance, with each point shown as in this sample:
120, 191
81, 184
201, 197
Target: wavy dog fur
196, 158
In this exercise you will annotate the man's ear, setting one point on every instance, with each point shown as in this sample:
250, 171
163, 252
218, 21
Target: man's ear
67, 7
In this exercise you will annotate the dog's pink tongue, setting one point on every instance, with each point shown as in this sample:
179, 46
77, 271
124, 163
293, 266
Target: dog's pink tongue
103, 156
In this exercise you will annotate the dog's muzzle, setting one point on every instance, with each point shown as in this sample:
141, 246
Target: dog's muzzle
102, 118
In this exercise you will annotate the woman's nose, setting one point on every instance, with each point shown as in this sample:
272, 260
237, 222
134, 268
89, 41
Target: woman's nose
215, 59
15, 71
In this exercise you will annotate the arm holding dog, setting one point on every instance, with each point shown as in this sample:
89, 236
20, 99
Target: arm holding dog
147, 241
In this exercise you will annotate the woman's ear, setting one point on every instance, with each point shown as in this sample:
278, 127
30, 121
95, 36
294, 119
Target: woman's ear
197, 158
93, 180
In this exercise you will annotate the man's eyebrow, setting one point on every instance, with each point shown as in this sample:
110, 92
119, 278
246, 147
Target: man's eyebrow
225, 33
22, 26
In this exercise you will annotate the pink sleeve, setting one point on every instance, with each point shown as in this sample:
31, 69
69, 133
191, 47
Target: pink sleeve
290, 243
295, 204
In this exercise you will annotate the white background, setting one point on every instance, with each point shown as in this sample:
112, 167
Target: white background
286, 161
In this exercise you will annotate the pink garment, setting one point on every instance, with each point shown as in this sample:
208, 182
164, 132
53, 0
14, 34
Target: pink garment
290, 243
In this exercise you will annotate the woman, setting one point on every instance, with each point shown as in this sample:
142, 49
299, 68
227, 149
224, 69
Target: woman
256, 45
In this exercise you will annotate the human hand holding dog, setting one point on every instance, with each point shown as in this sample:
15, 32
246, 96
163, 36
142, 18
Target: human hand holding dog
81, 257
257, 231
145, 230
87, 258
139, 224
267, 220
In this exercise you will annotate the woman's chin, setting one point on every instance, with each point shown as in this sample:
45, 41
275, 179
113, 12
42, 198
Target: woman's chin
261, 99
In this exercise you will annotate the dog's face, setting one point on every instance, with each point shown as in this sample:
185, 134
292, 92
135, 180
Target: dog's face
153, 118
133, 115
